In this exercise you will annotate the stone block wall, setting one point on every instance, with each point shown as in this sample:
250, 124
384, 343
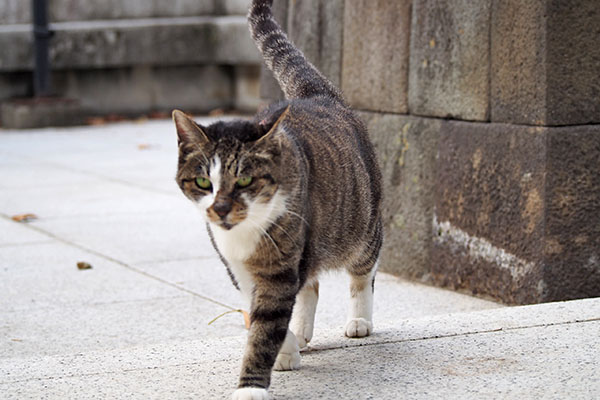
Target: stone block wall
485, 116
136, 56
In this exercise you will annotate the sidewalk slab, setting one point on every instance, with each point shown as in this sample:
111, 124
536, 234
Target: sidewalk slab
12, 234
516, 359
45, 275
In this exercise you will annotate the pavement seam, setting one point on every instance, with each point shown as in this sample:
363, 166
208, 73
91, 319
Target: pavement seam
433, 337
119, 262
24, 244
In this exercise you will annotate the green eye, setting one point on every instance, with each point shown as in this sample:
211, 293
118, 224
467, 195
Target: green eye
203, 183
245, 181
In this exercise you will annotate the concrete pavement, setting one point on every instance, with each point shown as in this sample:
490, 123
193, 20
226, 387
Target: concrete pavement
136, 324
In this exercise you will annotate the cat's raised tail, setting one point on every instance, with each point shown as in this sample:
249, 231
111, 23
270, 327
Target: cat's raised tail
297, 77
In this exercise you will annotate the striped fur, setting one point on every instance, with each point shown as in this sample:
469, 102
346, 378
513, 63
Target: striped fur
313, 204
297, 77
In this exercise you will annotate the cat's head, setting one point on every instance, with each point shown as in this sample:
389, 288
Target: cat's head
232, 170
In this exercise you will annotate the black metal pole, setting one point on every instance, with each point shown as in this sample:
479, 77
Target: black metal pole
41, 36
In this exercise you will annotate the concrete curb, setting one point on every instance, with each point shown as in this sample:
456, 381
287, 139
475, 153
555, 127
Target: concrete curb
21, 370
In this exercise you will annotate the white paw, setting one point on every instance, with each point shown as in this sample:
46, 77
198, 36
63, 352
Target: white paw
289, 354
250, 394
358, 327
303, 332
287, 361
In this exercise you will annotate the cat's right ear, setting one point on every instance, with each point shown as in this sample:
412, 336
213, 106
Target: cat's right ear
188, 132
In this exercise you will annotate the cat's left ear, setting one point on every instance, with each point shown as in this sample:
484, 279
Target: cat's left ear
271, 125
188, 132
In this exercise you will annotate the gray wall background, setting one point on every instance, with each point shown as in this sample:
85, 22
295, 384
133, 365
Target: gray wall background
136, 56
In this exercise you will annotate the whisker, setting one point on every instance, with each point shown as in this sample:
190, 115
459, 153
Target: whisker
272, 222
284, 211
295, 214
249, 219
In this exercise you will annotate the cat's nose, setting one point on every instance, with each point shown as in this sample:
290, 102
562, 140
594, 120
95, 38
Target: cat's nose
222, 207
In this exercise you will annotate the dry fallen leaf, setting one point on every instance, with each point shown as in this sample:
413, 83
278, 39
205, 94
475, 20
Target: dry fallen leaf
246, 319
217, 112
24, 217
95, 121
115, 118
83, 265
159, 115
243, 312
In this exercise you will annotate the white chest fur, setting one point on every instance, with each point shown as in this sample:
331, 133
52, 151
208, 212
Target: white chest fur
239, 243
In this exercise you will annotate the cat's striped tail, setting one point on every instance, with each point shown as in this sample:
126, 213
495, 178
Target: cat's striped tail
297, 77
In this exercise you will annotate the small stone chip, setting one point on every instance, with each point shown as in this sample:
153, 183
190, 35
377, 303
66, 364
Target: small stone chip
83, 265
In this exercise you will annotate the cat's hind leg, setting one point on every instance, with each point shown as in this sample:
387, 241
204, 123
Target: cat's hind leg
360, 319
303, 317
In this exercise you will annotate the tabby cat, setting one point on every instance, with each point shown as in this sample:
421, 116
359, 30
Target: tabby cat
294, 192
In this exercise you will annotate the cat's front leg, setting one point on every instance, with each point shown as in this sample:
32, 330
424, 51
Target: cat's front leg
270, 314
250, 394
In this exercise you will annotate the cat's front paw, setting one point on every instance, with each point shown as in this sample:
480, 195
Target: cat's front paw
250, 394
358, 327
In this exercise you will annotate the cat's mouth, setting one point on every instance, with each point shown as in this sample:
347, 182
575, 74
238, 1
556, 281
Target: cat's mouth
226, 225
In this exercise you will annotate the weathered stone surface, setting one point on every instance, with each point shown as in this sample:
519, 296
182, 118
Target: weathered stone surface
232, 7
19, 11
15, 84
17, 48
573, 62
15, 12
545, 61
518, 76
40, 113
141, 89
407, 148
572, 238
509, 207
316, 27
247, 88
134, 91
375, 54
489, 224
449, 59
169, 41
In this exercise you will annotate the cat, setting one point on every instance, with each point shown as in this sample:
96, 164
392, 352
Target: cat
287, 195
